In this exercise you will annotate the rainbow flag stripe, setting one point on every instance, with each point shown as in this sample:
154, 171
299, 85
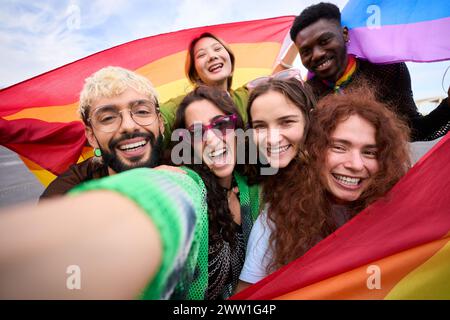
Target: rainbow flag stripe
386, 31
398, 248
39, 117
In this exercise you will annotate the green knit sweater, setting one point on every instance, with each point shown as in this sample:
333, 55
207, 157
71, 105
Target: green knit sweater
176, 203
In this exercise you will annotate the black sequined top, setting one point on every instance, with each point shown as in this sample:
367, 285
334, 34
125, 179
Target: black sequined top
392, 85
224, 265
225, 260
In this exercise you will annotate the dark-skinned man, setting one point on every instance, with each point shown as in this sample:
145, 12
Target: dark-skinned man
322, 43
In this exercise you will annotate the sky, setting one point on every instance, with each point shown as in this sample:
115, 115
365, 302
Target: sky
36, 37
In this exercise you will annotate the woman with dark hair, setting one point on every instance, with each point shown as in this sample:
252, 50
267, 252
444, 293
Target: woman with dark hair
357, 149
211, 62
211, 120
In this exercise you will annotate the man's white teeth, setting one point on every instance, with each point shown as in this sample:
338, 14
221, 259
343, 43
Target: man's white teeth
324, 65
279, 149
215, 67
217, 152
133, 145
347, 180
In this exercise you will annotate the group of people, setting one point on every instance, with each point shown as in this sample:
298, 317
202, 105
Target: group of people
337, 142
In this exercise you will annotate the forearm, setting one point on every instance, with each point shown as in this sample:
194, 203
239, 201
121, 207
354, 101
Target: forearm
242, 285
400, 96
428, 127
114, 243
287, 60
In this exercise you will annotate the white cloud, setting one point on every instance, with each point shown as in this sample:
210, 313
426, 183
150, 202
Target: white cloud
192, 13
36, 37
428, 79
39, 37
33, 42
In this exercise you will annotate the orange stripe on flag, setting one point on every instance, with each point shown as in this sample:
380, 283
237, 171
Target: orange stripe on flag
45, 177
67, 113
404, 233
431, 280
168, 72
37, 111
353, 284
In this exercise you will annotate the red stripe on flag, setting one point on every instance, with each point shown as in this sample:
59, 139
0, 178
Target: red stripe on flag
415, 212
36, 140
63, 85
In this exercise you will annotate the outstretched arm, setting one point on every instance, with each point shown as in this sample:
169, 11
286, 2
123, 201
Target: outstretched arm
126, 235
112, 240
428, 127
287, 61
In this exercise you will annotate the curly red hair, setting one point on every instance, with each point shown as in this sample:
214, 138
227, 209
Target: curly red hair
300, 206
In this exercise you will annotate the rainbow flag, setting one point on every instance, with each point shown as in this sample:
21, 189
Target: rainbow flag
390, 31
398, 248
38, 117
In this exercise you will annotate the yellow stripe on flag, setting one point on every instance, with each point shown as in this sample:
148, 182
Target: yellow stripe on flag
45, 177
354, 283
431, 280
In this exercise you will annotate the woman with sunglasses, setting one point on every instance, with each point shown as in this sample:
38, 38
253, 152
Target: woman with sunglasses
211, 119
211, 62
356, 151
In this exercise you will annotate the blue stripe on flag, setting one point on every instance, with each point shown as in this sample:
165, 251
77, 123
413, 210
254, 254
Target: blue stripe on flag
360, 13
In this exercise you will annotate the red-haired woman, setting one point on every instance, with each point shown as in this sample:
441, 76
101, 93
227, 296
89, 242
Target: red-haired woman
357, 150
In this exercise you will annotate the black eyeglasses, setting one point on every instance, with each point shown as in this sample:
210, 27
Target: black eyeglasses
220, 125
109, 118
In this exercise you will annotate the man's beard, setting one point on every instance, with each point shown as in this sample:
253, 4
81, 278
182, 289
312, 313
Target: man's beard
111, 160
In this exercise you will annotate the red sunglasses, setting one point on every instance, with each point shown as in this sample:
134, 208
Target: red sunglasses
220, 124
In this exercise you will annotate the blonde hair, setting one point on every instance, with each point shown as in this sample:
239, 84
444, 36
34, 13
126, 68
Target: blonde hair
109, 82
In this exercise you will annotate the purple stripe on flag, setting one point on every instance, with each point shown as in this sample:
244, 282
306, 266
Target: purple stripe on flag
420, 42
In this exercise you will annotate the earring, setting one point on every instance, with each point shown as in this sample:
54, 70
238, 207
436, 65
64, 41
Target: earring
97, 152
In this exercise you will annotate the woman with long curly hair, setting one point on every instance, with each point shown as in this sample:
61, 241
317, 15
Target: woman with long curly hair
356, 150
211, 119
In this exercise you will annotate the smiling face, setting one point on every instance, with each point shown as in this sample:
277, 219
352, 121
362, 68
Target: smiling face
131, 145
351, 159
212, 62
322, 49
279, 127
218, 151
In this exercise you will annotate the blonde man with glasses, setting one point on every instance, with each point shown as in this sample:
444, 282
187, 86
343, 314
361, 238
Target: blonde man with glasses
123, 124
